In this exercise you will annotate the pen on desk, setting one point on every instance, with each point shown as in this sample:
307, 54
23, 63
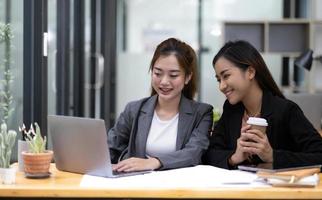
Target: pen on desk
288, 178
236, 183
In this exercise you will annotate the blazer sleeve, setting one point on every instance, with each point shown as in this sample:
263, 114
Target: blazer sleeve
118, 136
197, 144
219, 151
306, 137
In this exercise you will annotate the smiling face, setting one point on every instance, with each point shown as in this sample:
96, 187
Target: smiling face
233, 81
168, 78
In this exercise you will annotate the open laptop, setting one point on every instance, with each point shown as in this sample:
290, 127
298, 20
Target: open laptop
80, 146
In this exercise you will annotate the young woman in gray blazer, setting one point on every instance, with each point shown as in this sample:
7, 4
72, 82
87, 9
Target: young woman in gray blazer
168, 129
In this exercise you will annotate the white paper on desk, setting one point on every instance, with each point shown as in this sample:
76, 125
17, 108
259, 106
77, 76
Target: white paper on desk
201, 176
309, 181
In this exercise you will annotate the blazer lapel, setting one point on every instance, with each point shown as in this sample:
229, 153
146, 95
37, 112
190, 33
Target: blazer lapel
144, 123
184, 122
235, 124
266, 104
267, 107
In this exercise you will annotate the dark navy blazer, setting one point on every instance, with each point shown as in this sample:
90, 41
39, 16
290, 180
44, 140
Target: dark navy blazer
293, 138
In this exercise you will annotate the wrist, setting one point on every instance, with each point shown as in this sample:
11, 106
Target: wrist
271, 157
155, 163
231, 160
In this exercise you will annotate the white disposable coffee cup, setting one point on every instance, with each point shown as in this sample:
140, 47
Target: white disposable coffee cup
258, 123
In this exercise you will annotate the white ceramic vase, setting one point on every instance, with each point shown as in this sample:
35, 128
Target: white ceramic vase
8, 175
22, 146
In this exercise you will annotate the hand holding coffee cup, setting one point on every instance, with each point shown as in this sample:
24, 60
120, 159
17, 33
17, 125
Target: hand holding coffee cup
258, 123
264, 151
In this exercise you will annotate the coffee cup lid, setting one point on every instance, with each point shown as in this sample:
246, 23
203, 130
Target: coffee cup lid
257, 121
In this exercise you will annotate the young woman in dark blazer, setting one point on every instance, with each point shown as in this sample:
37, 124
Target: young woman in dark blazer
290, 139
168, 129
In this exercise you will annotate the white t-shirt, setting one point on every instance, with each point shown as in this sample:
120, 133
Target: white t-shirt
162, 136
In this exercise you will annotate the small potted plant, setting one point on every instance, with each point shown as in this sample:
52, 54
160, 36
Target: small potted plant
7, 141
37, 159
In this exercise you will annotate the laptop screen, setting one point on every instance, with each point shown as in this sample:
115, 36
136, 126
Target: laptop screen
80, 146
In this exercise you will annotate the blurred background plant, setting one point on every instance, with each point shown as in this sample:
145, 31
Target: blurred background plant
215, 118
216, 115
7, 78
7, 138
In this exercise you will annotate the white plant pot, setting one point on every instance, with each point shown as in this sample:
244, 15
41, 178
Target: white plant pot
22, 146
8, 175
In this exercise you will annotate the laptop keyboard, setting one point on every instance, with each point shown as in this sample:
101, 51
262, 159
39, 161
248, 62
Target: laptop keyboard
120, 173
116, 173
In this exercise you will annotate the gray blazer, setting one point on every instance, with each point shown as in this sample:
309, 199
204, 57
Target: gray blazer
129, 135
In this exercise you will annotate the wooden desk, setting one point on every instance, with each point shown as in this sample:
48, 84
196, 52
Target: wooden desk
63, 184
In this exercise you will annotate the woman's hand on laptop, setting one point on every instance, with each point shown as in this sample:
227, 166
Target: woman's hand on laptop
137, 164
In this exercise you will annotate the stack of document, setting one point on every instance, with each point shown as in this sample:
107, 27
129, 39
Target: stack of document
309, 181
293, 177
201, 176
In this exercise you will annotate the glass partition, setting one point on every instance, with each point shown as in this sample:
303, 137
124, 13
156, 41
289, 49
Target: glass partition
10, 13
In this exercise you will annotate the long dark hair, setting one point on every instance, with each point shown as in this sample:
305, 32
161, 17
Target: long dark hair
186, 58
243, 55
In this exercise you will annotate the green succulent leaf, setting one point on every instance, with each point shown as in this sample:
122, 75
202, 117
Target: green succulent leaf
36, 143
7, 141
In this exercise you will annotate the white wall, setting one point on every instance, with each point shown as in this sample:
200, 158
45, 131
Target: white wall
133, 78
151, 21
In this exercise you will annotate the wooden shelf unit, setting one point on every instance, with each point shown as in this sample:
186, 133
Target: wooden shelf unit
286, 37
